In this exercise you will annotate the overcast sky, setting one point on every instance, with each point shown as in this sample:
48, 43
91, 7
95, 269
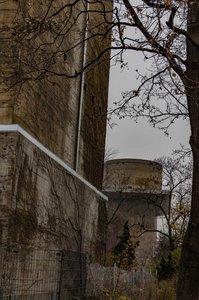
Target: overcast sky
140, 140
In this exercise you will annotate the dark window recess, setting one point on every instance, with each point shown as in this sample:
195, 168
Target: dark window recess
92, 99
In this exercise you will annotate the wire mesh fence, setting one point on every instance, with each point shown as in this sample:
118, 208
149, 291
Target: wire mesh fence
73, 275
38, 274
114, 279
29, 273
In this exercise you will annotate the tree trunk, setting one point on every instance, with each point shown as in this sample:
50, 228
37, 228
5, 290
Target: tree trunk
188, 284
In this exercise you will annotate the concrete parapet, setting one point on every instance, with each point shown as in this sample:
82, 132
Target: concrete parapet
133, 174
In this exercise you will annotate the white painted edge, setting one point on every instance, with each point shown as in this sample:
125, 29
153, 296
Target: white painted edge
17, 128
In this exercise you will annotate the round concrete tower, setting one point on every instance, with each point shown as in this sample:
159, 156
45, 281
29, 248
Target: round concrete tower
134, 174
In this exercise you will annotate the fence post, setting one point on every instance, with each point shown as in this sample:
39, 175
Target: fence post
143, 281
54, 296
133, 280
114, 279
59, 276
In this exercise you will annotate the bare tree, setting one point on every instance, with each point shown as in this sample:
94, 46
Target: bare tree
169, 35
177, 176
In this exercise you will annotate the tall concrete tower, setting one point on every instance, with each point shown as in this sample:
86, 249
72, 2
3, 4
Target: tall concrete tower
134, 189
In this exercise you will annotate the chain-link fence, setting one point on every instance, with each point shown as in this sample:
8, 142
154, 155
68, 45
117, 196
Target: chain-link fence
73, 275
30, 274
36, 274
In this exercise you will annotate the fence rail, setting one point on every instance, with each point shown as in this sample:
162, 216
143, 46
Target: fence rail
39, 296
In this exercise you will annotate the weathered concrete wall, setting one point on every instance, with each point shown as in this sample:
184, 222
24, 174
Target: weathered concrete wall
8, 144
45, 201
8, 10
44, 206
93, 129
48, 105
132, 174
45, 106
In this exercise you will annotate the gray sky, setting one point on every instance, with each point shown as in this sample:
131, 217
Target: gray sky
139, 140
